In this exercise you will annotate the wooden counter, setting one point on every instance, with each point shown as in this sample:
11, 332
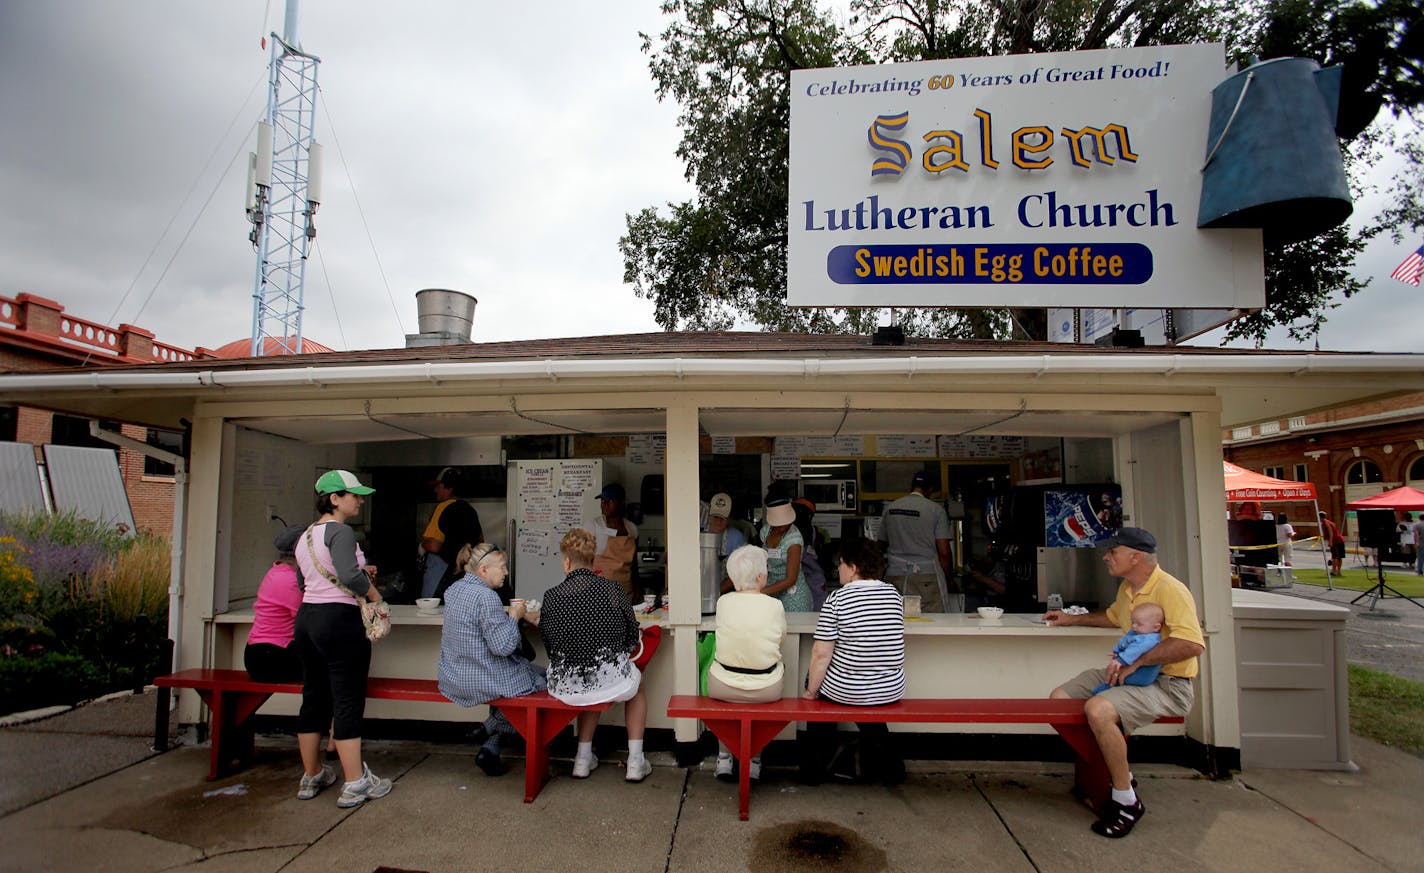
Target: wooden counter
945, 656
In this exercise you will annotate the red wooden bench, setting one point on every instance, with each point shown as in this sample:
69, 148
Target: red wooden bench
746, 728
233, 697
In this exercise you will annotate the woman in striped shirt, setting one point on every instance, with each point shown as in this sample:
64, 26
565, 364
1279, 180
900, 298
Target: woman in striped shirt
859, 659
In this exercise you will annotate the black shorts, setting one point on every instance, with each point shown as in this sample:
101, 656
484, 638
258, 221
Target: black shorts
1337, 551
336, 657
268, 662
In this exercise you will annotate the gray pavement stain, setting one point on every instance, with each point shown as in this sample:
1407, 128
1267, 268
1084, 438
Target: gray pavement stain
813, 845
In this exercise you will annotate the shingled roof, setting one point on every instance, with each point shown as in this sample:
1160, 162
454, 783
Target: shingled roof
666, 344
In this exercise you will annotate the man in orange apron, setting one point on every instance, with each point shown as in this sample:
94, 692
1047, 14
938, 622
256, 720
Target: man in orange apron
616, 540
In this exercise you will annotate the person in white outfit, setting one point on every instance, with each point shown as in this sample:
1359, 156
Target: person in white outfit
1285, 532
751, 627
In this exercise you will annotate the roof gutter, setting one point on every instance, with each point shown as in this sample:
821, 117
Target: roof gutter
554, 369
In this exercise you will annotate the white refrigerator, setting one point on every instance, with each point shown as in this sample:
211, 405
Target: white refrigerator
547, 499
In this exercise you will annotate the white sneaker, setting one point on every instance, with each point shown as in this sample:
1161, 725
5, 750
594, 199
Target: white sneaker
312, 785
368, 787
585, 766
725, 767
638, 770
755, 772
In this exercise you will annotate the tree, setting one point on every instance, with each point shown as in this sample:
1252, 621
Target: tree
1379, 47
721, 257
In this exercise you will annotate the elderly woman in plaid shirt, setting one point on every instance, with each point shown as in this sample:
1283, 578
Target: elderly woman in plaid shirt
479, 648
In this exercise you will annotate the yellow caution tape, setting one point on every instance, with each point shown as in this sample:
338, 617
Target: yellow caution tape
1299, 542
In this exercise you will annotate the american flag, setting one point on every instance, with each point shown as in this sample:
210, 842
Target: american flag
1412, 268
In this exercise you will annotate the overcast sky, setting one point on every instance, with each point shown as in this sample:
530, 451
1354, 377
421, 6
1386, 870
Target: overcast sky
494, 149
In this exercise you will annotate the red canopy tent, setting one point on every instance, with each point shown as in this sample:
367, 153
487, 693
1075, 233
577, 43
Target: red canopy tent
1243, 485
1406, 498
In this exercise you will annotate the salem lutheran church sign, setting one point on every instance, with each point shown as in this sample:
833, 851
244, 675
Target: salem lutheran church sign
1066, 179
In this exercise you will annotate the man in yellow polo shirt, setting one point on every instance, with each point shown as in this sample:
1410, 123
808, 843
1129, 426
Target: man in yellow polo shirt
1131, 555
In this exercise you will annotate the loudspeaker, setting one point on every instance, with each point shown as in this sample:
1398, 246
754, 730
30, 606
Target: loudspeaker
1252, 532
1376, 528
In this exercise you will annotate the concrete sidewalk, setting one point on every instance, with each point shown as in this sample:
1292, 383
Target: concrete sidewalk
135, 811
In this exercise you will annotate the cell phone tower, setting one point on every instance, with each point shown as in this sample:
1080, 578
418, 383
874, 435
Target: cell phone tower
283, 191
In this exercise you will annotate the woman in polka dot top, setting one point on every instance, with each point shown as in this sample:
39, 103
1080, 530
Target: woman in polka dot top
590, 634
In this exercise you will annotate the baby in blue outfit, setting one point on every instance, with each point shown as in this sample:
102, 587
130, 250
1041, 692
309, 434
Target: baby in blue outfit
1145, 634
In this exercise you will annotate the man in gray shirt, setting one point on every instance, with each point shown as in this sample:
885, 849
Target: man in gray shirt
915, 530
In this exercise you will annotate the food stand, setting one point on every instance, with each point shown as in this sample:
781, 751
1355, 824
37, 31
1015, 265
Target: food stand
263, 429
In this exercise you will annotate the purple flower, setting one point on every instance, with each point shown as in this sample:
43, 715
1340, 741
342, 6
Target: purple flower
54, 563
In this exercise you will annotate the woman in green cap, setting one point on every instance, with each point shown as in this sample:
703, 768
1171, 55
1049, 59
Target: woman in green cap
331, 638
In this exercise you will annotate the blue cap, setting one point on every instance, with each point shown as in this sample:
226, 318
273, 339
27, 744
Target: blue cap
1132, 538
613, 491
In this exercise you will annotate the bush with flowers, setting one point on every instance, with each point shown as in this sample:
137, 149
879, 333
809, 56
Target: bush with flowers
83, 609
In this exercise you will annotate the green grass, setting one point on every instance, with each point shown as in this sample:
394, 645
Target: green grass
1358, 579
1387, 709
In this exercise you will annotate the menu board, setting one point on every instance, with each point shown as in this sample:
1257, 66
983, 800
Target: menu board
547, 499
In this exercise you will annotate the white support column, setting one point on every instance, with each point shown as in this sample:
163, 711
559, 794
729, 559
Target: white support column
200, 561
683, 553
1205, 486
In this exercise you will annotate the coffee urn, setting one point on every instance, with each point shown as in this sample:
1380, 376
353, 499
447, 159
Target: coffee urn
711, 563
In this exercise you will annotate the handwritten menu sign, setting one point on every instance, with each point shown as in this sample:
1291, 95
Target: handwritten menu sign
785, 467
539, 509
533, 542
905, 446
577, 476
569, 509
980, 447
535, 481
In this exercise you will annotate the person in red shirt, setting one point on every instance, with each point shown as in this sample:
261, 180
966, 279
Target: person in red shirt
1337, 543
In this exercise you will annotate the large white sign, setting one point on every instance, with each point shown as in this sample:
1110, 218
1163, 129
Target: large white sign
1041, 180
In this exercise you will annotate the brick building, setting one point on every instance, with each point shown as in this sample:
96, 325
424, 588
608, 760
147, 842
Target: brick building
36, 334
1348, 453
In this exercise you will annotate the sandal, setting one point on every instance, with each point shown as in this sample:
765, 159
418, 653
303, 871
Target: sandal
1118, 820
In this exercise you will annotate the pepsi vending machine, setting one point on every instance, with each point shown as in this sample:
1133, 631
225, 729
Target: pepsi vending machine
1075, 519
1078, 517
1050, 532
